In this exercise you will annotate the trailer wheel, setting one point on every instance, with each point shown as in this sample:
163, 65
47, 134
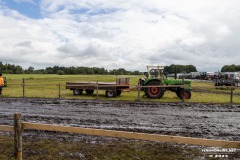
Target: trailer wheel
77, 91
110, 94
119, 92
186, 93
89, 91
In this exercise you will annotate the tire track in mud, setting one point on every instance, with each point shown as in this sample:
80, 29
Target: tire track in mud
214, 121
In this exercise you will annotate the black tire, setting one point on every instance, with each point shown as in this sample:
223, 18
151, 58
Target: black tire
119, 92
89, 91
178, 93
186, 93
77, 91
154, 92
110, 94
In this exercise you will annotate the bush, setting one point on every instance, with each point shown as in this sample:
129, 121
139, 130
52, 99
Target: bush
60, 72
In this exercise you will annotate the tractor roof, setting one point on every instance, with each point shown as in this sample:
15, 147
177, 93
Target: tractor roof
155, 67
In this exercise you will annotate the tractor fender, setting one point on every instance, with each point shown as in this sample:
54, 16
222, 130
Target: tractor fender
153, 80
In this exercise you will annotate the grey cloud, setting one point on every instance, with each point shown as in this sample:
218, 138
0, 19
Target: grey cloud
70, 50
27, 44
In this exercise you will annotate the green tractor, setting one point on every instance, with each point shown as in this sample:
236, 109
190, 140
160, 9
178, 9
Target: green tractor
155, 77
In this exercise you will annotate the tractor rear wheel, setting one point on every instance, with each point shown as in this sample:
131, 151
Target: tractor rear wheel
154, 92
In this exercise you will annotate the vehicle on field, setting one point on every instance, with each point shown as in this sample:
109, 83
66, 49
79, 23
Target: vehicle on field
5, 81
227, 79
112, 89
156, 77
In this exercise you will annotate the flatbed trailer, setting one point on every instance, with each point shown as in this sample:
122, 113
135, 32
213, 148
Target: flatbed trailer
112, 89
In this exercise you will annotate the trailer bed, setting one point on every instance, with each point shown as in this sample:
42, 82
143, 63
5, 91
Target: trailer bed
112, 88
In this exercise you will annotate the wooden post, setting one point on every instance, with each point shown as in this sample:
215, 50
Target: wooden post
17, 136
183, 83
59, 90
97, 91
231, 93
231, 96
138, 88
23, 85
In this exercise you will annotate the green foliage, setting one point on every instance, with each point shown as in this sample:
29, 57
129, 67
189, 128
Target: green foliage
60, 72
231, 68
179, 69
12, 69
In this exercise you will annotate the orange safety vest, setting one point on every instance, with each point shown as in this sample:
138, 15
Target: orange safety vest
1, 81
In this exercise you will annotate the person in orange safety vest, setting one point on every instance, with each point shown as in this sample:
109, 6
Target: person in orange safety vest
1, 83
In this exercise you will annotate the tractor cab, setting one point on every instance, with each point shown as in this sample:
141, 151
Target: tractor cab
155, 71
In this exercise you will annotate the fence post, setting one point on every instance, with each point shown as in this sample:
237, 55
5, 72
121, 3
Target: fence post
183, 83
23, 85
231, 96
17, 136
138, 88
59, 90
97, 91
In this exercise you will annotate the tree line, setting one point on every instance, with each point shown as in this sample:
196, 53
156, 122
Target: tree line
16, 69
231, 68
179, 69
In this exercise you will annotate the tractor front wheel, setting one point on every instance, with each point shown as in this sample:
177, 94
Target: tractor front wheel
186, 93
154, 92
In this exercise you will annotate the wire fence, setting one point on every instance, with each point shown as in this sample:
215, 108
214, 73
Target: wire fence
207, 93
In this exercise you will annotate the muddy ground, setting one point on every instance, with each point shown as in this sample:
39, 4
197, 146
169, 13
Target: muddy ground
213, 121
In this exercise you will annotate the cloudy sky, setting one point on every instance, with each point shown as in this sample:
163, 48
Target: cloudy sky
115, 34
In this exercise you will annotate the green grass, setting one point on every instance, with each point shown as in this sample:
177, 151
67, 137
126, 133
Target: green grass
46, 86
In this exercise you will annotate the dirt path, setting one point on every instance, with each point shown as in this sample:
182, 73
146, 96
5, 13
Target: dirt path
216, 121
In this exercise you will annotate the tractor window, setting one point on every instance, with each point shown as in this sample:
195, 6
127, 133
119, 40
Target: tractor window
154, 73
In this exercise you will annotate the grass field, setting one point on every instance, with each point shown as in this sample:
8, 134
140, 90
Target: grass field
46, 86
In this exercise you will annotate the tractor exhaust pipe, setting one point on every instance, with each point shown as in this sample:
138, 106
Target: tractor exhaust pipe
175, 72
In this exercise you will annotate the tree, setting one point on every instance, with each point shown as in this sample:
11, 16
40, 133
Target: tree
60, 72
30, 70
179, 69
230, 68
